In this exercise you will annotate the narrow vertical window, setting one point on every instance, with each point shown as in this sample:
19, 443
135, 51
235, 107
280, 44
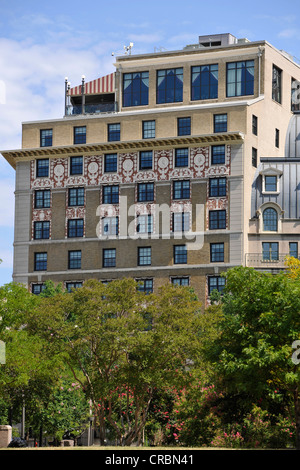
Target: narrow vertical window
46, 138
220, 123
254, 157
80, 135
254, 125
276, 84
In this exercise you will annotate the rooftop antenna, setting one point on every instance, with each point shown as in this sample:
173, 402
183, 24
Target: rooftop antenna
127, 49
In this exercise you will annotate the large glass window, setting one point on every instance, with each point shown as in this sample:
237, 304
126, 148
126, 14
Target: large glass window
181, 189
169, 85
40, 261
74, 259
180, 254
42, 168
42, 199
217, 187
240, 78
270, 251
76, 197
111, 194
276, 84
270, 220
145, 192
46, 137
42, 230
144, 256
217, 252
135, 89
204, 82
80, 135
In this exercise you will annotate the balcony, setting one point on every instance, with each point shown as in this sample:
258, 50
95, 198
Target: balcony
270, 261
93, 108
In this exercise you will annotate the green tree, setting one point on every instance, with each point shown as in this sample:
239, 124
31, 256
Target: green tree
125, 344
253, 352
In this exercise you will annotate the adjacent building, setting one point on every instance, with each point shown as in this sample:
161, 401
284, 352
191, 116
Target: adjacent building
173, 168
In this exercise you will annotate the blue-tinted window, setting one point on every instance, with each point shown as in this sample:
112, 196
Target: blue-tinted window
217, 154
46, 137
73, 286
144, 223
75, 228
74, 259
216, 283
270, 251
76, 197
270, 220
37, 288
181, 189
270, 183
148, 129
217, 187
111, 194
76, 166
217, 219
181, 157
240, 78
42, 199
40, 261
109, 258
169, 85
135, 89
184, 126
110, 226
180, 254
216, 252
204, 82
145, 285
180, 281
293, 249
145, 192
110, 163
220, 123
80, 135
42, 230
144, 256
146, 160
114, 132
42, 168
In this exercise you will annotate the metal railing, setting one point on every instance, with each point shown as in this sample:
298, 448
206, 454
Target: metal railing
267, 260
92, 108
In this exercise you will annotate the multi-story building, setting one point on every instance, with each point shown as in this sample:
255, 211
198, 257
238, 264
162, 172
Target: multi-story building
170, 169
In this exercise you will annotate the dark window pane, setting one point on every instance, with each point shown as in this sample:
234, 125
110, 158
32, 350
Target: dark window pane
216, 252
181, 189
41, 230
146, 160
135, 89
40, 261
80, 135
204, 82
109, 258
74, 259
180, 254
270, 219
144, 256
181, 157
217, 187
75, 228
217, 219
46, 138
145, 192
111, 194
42, 168
148, 129
218, 154
184, 126
111, 163
76, 197
169, 85
42, 199
220, 123
76, 166
114, 132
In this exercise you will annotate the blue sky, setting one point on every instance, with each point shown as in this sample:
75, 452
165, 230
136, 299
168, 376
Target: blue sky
42, 42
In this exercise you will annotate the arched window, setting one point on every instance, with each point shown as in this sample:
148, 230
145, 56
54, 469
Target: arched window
270, 219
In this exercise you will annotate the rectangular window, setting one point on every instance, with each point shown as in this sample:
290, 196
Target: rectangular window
46, 138
276, 84
148, 129
75, 228
111, 163
42, 230
145, 285
110, 194
240, 78
42, 199
40, 261
216, 283
135, 89
145, 192
37, 289
146, 160
254, 157
73, 286
184, 126
144, 256
144, 223
42, 168
254, 125
217, 154
80, 135
76, 166
110, 226
76, 197
74, 259
270, 251
181, 221
169, 87
180, 281
217, 220
180, 254
181, 189
216, 252
217, 187
204, 82
277, 138
109, 257
270, 184
114, 132
181, 157
293, 249
220, 122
